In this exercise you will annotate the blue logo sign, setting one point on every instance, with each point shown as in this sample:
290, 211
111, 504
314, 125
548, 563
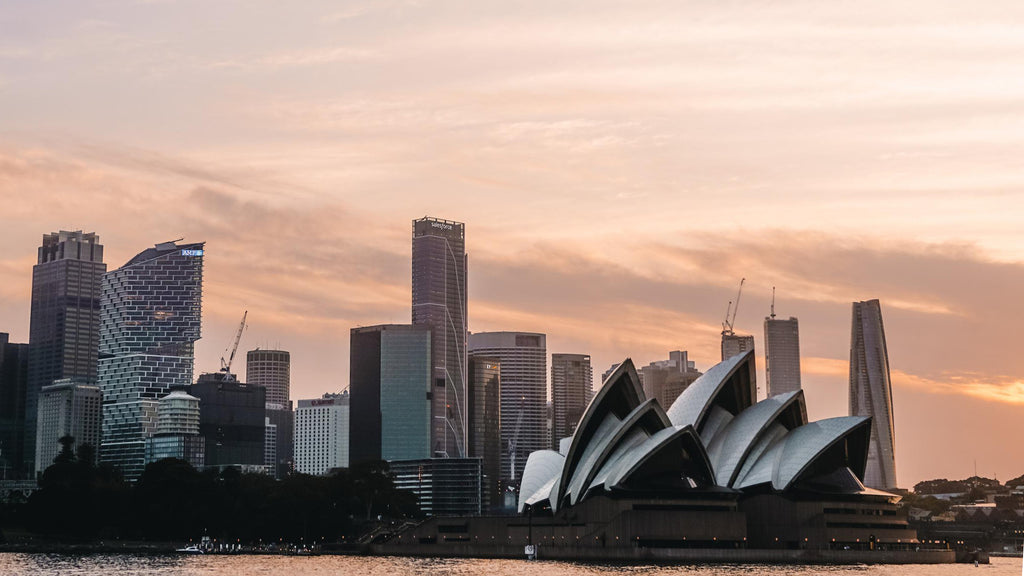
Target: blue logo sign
191, 252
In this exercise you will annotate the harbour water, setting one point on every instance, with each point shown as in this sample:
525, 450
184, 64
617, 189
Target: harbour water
173, 565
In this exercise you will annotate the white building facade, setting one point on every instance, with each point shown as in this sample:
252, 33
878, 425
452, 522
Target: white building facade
321, 434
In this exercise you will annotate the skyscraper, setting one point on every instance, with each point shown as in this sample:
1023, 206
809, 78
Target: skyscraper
439, 302
322, 428
484, 437
67, 408
871, 392
733, 344
781, 355
64, 327
271, 369
665, 380
13, 384
391, 392
523, 358
150, 319
572, 382
232, 415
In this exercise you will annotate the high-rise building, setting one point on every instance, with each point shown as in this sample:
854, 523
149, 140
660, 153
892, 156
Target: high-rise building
391, 393
523, 358
270, 445
271, 369
572, 383
322, 428
150, 317
442, 486
665, 380
484, 438
733, 344
439, 302
231, 419
781, 355
67, 408
177, 431
64, 327
871, 392
13, 386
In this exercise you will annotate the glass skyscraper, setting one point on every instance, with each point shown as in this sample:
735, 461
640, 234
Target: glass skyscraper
871, 392
150, 317
781, 355
524, 361
484, 437
13, 383
64, 328
572, 383
390, 389
439, 302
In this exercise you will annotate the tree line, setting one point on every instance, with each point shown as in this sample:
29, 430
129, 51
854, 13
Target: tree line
80, 500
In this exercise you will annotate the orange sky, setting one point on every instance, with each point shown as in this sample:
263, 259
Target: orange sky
619, 167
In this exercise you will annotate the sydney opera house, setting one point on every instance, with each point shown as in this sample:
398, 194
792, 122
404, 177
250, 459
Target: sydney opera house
716, 471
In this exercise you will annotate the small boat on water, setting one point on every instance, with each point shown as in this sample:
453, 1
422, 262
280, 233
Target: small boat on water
192, 549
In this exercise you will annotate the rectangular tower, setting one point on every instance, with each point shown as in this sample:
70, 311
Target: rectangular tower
484, 438
781, 355
523, 358
572, 383
64, 326
13, 385
150, 319
733, 344
665, 380
871, 392
232, 416
391, 392
439, 302
322, 433
67, 408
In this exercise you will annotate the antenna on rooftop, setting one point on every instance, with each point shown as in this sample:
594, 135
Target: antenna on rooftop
773, 302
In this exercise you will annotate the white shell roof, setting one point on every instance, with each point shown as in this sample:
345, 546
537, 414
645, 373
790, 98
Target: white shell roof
731, 445
693, 404
805, 443
541, 468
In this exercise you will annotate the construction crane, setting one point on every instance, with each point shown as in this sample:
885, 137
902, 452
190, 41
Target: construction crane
727, 326
513, 441
225, 366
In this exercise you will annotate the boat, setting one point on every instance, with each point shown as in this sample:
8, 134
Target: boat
191, 549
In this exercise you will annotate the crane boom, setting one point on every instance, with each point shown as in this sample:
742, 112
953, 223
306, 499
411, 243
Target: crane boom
225, 367
737, 307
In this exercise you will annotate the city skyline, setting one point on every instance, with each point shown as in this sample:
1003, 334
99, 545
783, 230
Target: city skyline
619, 170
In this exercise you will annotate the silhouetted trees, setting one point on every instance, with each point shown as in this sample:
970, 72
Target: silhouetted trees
173, 501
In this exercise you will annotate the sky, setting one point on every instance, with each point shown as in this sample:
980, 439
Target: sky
619, 167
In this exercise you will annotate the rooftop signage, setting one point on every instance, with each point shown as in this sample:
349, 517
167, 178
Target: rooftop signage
186, 252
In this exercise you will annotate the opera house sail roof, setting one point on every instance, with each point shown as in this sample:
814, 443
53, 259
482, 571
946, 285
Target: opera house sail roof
714, 438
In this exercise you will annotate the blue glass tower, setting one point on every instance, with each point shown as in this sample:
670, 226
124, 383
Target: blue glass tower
150, 312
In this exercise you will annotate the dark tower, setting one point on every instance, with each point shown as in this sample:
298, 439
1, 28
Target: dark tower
64, 329
439, 301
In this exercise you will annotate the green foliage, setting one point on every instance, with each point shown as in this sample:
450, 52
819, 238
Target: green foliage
174, 501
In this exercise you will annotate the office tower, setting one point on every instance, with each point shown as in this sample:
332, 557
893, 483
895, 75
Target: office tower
439, 302
270, 446
64, 327
781, 355
484, 438
67, 407
523, 359
391, 392
150, 315
231, 419
871, 392
665, 380
442, 486
572, 383
177, 431
271, 369
733, 344
322, 428
13, 385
